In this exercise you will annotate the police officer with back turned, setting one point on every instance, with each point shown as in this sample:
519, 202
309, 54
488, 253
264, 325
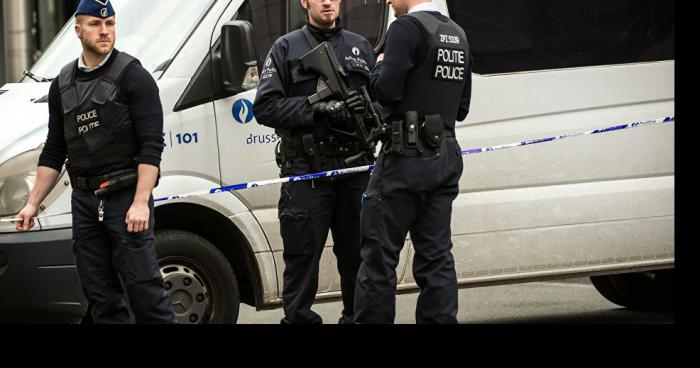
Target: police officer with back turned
423, 80
105, 116
314, 139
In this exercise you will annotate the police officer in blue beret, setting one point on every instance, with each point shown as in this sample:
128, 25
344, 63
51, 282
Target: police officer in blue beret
106, 118
423, 80
311, 144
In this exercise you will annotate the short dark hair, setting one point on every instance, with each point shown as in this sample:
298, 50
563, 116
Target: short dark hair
306, 11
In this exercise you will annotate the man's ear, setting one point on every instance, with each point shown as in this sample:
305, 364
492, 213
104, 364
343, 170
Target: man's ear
305, 4
78, 29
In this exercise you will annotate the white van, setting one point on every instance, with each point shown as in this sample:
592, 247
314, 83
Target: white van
594, 205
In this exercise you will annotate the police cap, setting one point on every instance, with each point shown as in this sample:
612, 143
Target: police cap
95, 8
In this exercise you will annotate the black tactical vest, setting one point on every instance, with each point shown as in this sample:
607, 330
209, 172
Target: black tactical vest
97, 128
436, 86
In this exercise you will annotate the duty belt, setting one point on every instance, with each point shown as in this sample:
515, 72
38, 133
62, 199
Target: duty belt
402, 134
94, 183
294, 148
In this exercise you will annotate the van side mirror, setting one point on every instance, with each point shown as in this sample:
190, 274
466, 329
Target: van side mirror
239, 61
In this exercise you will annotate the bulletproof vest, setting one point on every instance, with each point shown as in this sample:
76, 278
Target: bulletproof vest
328, 138
436, 86
97, 128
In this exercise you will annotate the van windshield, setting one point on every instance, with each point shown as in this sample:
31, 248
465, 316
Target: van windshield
152, 31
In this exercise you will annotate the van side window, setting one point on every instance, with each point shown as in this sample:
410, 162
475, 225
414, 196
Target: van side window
364, 17
268, 20
514, 36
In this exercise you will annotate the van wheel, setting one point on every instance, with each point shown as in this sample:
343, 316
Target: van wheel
199, 280
652, 290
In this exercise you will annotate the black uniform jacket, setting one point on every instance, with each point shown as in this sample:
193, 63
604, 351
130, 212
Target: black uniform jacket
282, 99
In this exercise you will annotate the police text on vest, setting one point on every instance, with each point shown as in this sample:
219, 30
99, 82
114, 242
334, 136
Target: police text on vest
88, 121
450, 65
86, 116
450, 56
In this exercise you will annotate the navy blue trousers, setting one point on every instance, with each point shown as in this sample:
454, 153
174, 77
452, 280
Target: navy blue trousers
307, 210
410, 193
108, 256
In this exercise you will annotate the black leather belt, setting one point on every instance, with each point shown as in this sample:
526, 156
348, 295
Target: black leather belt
294, 148
94, 183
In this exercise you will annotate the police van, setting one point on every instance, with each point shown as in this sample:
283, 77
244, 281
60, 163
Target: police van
599, 206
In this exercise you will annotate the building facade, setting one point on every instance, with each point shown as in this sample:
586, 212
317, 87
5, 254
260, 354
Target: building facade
27, 28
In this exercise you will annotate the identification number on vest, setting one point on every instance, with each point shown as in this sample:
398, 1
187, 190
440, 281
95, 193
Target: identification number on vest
449, 39
87, 121
450, 65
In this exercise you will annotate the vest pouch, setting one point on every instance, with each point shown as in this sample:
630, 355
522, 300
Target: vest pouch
104, 91
99, 136
69, 100
433, 131
91, 129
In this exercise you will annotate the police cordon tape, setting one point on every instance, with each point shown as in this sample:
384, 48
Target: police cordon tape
2, 221
334, 173
355, 170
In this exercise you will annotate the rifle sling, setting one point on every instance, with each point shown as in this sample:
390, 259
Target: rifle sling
309, 37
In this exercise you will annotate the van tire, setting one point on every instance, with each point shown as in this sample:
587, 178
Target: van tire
653, 290
185, 256
606, 289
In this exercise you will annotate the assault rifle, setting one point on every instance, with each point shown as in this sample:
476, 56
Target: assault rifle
332, 84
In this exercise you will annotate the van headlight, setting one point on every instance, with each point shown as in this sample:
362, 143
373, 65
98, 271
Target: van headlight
17, 178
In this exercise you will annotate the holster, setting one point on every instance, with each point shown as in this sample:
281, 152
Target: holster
411, 126
397, 145
309, 144
115, 183
105, 184
433, 131
406, 134
279, 155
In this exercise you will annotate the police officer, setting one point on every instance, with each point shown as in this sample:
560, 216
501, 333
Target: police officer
423, 80
312, 141
105, 116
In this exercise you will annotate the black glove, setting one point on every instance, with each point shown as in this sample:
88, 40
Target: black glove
334, 111
356, 103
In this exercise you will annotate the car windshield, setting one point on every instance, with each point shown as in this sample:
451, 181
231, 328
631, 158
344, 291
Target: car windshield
152, 31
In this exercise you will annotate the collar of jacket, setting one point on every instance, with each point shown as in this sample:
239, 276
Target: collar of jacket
325, 34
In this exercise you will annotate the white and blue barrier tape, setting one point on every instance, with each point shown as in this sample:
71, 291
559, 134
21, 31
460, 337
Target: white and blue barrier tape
333, 173
638, 124
355, 170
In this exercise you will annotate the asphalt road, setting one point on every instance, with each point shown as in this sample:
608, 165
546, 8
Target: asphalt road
573, 301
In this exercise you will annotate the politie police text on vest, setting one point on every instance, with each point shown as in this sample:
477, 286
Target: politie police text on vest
89, 120
450, 64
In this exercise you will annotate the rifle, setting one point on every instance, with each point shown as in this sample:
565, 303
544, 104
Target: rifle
380, 128
323, 62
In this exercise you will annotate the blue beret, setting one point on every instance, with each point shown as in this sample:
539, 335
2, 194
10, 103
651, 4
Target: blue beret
95, 8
